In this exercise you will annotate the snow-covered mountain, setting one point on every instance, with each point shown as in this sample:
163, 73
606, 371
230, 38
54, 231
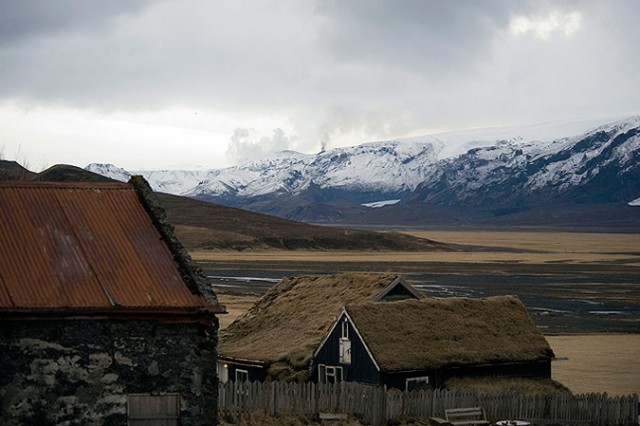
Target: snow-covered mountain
110, 171
394, 166
601, 165
502, 168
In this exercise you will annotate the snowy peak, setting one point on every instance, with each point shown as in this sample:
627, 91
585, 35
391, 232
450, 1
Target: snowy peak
581, 160
459, 142
110, 171
382, 166
602, 162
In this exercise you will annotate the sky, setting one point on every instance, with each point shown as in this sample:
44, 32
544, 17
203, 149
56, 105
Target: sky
200, 84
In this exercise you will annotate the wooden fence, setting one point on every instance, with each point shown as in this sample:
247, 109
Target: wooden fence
378, 405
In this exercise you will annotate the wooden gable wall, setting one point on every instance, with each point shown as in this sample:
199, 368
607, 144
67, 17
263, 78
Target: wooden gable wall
362, 368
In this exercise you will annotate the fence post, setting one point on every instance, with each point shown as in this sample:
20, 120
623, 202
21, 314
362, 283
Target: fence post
383, 405
316, 396
272, 399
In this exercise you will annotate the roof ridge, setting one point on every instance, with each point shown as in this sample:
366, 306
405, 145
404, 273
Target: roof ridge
192, 274
66, 185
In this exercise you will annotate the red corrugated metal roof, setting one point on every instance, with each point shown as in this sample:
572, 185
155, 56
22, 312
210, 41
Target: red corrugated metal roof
84, 246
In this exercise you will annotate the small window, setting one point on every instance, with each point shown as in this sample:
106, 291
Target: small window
345, 329
242, 376
344, 348
146, 409
329, 374
418, 383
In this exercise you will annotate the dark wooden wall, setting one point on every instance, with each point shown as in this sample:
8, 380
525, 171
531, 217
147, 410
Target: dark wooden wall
362, 369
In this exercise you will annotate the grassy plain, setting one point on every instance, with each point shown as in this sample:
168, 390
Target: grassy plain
597, 363
473, 247
590, 362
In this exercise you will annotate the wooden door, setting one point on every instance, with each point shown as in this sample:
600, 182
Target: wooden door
153, 410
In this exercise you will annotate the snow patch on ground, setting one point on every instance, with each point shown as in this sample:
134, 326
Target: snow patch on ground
377, 204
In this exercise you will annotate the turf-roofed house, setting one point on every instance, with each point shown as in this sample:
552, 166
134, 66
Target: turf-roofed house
276, 338
104, 319
422, 344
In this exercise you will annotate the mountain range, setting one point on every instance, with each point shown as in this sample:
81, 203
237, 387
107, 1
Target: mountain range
566, 174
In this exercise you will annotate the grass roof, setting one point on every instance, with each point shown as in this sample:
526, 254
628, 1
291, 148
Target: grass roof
290, 320
434, 333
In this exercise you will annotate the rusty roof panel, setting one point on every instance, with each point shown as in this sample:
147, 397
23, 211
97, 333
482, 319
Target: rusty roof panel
84, 246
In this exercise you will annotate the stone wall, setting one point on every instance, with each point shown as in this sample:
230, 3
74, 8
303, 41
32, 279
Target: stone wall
79, 371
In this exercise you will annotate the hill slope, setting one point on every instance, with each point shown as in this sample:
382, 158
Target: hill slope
211, 226
201, 225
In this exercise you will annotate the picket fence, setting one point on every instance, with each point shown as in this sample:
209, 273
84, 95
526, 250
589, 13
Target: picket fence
379, 405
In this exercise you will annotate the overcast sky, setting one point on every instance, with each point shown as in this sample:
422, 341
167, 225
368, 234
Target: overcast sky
185, 84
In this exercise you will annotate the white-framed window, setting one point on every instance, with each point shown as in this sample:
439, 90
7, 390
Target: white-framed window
345, 329
344, 348
329, 374
344, 344
417, 383
241, 375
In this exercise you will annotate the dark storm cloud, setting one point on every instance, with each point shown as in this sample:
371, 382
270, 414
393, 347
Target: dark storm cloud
57, 51
21, 20
76, 52
149, 55
425, 35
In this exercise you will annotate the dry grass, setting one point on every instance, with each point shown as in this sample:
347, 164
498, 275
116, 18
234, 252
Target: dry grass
498, 385
236, 306
598, 363
272, 331
408, 257
205, 226
517, 247
433, 333
548, 242
198, 236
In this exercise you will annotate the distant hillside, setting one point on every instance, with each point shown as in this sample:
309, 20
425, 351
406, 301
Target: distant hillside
201, 225
11, 170
67, 173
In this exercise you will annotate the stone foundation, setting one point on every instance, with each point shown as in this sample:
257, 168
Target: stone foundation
80, 371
